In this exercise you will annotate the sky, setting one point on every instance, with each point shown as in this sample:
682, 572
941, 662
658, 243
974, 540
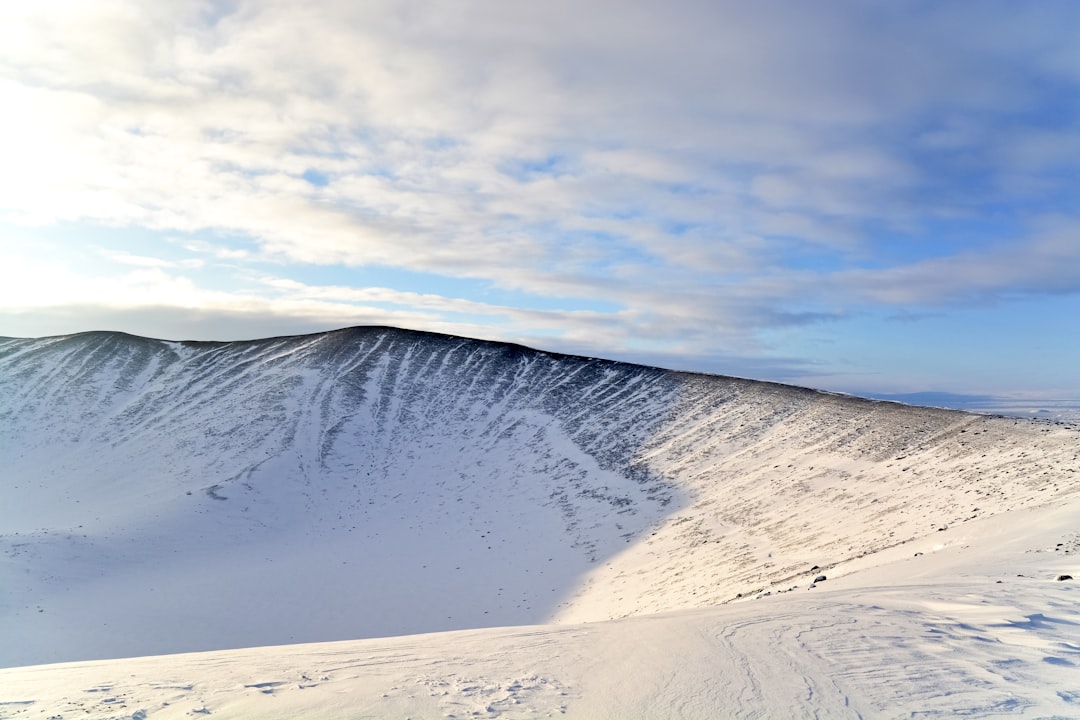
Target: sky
850, 195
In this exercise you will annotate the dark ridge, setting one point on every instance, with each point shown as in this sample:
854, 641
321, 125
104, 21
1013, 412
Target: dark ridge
511, 351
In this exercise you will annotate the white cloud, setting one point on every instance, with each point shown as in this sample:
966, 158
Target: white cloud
710, 169
124, 258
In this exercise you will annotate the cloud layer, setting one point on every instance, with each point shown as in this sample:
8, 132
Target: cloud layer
641, 179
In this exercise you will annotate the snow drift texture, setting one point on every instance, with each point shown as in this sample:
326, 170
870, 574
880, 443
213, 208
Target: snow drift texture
163, 497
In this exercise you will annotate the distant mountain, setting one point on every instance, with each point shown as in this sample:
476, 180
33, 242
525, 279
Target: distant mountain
955, 401
1057, 409
167, 496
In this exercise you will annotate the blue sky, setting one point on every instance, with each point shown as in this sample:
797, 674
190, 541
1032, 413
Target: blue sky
868, 197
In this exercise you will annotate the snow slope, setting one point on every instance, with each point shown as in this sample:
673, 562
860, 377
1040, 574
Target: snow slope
954, 633
428, 482
164, 497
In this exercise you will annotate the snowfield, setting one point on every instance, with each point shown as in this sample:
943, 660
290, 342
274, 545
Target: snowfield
516, 534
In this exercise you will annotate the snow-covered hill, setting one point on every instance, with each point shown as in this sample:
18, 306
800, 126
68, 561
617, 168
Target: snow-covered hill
163, 497
386, 482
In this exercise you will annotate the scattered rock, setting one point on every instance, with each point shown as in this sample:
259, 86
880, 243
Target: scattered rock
918, 554
815, 568
820, 578
1064, 577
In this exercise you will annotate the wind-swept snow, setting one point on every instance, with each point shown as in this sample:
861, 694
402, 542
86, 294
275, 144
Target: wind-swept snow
957, 633
165, 497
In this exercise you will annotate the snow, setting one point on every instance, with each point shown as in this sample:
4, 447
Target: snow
542, 535
931, 642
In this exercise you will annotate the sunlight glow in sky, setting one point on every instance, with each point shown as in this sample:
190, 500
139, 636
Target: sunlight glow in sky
848, 195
